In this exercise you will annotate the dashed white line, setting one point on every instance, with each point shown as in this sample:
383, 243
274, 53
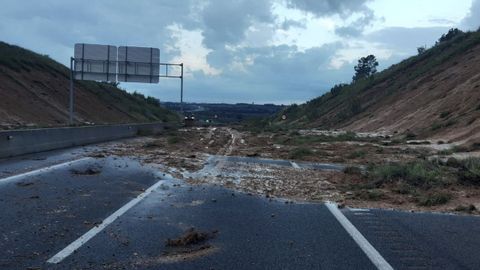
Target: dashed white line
67, 251
42, 170
294, 165
363, 214
359, 210
361, 241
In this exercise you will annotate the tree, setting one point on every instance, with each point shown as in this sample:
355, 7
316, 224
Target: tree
114, 84
337, 89
452, 33
366, 67
421, 50
153, 101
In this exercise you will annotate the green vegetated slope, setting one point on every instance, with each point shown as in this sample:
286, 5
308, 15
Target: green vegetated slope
34, 92
434, 94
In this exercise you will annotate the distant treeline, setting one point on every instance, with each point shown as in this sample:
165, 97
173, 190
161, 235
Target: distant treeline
222, 113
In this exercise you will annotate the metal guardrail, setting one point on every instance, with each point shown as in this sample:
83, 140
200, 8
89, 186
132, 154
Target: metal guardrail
19, 142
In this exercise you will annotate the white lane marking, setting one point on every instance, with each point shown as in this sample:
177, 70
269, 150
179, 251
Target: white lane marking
359, 210
294, 165
42, 170
68, 250
363, 214
361, 241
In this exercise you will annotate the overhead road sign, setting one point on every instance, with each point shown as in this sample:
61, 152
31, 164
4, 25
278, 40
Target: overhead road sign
106, 63
95, 62
138, 64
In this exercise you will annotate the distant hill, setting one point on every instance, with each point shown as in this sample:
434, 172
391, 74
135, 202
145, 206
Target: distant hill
34, 92
433, 95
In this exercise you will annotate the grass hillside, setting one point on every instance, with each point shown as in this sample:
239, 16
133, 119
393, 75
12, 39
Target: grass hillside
34, 92
434, 94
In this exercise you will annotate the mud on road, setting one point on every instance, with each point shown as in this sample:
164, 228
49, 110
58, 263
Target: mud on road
194, 154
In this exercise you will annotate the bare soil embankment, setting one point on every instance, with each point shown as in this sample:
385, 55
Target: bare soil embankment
34, 92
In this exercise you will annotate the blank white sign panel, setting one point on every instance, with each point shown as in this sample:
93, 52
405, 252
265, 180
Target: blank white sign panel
95, 62
138, 64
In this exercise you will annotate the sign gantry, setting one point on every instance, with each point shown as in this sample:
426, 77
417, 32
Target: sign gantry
107, 63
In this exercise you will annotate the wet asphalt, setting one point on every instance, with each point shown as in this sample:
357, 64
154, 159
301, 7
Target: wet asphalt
43, 213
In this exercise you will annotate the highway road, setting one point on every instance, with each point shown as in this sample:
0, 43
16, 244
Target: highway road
68, 210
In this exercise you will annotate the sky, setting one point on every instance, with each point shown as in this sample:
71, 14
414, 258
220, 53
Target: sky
261, 51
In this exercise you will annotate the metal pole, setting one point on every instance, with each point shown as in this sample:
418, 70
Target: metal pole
181, 90
70, 120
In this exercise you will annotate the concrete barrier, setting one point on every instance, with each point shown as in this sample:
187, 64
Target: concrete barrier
19, 142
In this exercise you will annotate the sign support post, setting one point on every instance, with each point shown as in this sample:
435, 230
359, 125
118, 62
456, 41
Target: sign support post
181, 89
70, 118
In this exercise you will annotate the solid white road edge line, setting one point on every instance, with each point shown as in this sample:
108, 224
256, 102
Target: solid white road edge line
361, 241
67, 251
42, 170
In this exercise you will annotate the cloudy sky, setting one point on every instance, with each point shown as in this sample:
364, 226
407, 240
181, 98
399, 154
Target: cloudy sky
262, 51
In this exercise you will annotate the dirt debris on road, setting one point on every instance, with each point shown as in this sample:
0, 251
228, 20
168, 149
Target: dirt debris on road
87, 171
190, 237
186, 154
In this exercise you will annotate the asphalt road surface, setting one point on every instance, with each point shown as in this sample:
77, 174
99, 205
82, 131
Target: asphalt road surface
65, 210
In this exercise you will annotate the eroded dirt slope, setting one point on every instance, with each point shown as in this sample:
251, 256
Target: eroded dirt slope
443, 103
34, 92
432, 95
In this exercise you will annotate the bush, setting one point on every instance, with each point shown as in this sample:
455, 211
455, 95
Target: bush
444, 114
445, 152
459, 148
433, 199
300, 153
294, 133
352, 170
469, 173
410, 136
294, 138
355, 106
347, 136
453, 162
357, 154
403, 188
436, 126
452, 33
337, 89
466, 208
153, 101
370, 195
420, 174
153, 144
173, 140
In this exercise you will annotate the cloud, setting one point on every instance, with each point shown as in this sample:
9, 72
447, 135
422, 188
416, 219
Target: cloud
405, 41
282, 71
345, 9
226, 22
357, 27
287, 24
280, 74
189, 52
472, 20
442, 21
53, 26
322, 8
